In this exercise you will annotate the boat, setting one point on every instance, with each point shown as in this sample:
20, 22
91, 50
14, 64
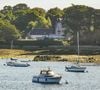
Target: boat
25, 60
77, 67
47, 77
17, 64
13, 59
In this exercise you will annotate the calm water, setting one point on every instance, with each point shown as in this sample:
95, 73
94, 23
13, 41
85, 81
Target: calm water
20, 78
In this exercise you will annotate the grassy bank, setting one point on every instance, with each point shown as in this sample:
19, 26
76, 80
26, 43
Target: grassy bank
15, 53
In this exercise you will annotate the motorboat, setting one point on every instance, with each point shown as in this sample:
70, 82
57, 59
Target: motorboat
47, 77
76, 68
17, 64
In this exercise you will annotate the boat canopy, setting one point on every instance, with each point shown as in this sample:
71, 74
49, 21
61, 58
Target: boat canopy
47, 72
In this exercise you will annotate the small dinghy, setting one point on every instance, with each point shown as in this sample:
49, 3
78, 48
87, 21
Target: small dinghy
47, 77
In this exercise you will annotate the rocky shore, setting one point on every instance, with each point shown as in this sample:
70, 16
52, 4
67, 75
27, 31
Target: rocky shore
8, 53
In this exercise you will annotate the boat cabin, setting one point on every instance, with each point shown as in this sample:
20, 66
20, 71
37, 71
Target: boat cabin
47, 72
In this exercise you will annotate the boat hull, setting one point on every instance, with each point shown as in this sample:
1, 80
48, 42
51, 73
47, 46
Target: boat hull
17, 64
75, 69
46, 80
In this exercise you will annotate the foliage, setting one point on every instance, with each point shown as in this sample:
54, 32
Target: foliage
55, 14
78, 17
20, 6
2, 15
8, 31
39, 12
21, 19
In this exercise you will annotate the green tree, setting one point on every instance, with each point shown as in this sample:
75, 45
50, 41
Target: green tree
20, 6
8, 31
1, 15
39, 12
36, 15
7, 8
54, 14
78, 18
43, 22
7, 11
96, 19
31, 24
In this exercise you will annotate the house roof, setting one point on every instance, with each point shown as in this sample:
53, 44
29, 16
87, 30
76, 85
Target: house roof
41, 31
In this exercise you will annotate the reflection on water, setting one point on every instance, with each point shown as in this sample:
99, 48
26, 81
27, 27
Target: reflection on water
20, 78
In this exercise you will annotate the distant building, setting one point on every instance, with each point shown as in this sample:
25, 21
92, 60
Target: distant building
59, 29
41, 33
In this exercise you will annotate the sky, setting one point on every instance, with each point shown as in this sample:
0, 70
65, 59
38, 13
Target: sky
47, 4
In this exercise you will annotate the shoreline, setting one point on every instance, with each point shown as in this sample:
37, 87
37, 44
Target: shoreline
8, 53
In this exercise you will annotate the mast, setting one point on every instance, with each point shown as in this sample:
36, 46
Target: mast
78, 52
11, 44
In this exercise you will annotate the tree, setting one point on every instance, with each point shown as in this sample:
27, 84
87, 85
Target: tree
43, 22
7, 11
20, 13
54, 14
9, 16
36, 15
78, 18
7, 8
8, 31
96, 19
20, 6
39, 12
1, 15
31, 25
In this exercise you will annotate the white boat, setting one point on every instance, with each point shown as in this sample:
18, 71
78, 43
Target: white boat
17, 64
47, 77
77, 67
13, 59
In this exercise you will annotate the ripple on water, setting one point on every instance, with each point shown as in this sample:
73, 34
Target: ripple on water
15, 78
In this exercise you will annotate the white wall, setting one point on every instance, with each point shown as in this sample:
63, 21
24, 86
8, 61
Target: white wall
41, 37
59, 29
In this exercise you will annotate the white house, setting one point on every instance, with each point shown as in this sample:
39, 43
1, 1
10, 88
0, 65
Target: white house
41, 33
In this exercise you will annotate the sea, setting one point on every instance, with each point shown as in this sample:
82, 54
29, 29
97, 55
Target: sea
20, 78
